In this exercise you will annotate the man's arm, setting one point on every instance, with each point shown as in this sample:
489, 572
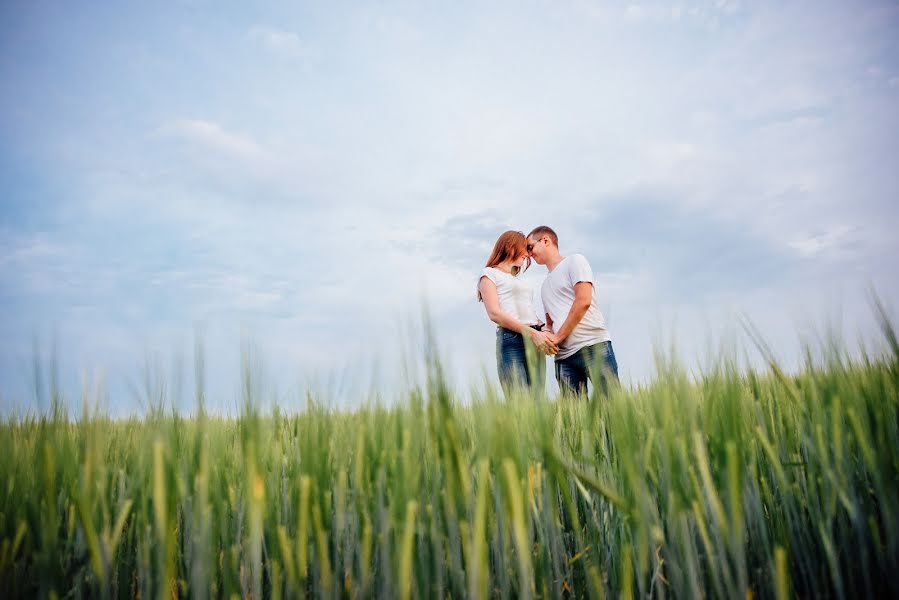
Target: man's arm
583, 298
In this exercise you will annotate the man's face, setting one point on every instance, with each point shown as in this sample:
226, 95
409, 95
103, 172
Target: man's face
537, 246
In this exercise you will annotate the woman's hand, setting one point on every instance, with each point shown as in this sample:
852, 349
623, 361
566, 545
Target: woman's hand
544, 342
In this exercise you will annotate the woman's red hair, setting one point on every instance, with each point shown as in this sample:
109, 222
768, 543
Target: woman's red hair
509, 246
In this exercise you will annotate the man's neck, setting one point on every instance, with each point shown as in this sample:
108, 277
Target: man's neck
554, 262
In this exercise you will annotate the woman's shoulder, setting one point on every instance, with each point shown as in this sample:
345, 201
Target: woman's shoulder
495, 275
493, 272
490, 273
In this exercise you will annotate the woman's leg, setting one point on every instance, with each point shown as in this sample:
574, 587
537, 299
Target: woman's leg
511, 360
536, 367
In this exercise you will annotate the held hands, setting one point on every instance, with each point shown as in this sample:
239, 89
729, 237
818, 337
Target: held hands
546, 342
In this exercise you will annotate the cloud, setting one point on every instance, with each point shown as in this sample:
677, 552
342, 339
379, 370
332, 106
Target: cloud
19, 251
286, 44
211, 136
664, 155
202, 158
689, 255
461, 241
705, 13
834, 239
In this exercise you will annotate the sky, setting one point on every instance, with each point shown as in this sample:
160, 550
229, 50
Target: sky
294, 182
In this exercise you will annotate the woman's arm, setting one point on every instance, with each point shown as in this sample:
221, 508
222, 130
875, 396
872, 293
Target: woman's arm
504, 319
494, 312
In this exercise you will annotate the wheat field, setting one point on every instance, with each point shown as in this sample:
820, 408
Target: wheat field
735, 483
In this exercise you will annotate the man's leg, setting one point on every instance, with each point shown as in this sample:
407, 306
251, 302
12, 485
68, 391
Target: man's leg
610, 361
571, 373
603, 366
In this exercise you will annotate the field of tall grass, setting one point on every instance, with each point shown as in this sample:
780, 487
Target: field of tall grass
733, 483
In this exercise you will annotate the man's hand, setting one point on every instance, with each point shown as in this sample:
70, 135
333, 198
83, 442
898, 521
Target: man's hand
555, 340
545, 342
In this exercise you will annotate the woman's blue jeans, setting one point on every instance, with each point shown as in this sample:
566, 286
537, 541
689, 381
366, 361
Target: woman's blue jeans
518, 362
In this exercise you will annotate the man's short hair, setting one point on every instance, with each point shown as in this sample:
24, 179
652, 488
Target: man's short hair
539, 232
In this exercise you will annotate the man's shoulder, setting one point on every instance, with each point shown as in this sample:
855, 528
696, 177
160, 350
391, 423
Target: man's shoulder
579, 269
574, 261
578, 260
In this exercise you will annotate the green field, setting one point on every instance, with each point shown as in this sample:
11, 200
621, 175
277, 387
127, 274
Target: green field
733, 483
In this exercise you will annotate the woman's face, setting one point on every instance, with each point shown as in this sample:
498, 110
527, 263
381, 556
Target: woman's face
519, 262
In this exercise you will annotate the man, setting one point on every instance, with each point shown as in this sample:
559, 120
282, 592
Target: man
579, 330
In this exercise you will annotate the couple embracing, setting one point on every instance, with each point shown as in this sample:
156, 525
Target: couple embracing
574, 331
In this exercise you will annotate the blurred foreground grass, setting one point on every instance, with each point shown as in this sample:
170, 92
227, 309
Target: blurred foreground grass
732, 484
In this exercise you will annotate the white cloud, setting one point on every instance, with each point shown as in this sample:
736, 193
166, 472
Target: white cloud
211, 136
667, 154
664, 11
814, 245
20, 251
287, 44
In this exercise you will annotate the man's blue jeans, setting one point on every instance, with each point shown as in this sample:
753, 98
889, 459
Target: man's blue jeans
513, 363
596, 363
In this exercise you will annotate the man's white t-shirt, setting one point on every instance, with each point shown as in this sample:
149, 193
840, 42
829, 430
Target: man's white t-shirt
558, 297
516, 297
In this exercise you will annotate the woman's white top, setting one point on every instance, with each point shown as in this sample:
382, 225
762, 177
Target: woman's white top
516, 297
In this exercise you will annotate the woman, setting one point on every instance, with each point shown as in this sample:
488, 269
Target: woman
509, 304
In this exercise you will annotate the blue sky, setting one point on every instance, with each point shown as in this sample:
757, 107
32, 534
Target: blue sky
304, 176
